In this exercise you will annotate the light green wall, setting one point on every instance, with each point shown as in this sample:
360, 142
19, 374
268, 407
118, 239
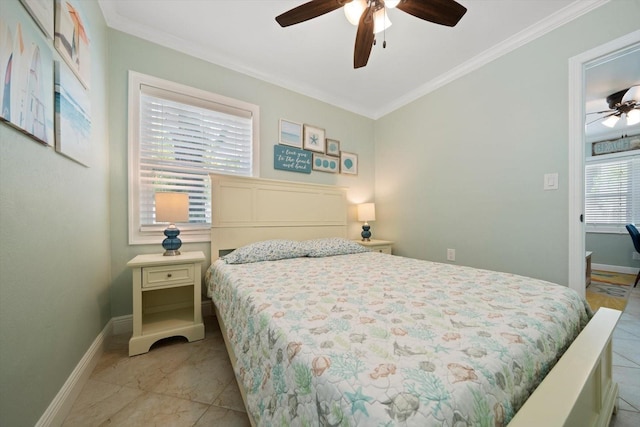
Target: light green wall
611, 249
463, 167
55, 254
354, 132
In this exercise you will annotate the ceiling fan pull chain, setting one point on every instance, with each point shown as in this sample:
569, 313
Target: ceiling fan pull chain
384, 30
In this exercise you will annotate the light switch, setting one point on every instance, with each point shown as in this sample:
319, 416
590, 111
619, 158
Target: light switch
551, 181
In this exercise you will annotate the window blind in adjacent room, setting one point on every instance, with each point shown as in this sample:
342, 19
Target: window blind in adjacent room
612, 193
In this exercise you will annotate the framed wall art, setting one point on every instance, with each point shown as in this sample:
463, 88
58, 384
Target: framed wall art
333, 147
325, 163
290, 133
348, 163
314, 139
26, 73
73, 116
72, 39
42, 13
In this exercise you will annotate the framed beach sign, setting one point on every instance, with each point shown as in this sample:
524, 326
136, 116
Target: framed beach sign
26, 73
72, 39
290, 133
325, 163
73, 116
314, 139
333, 147
348, 163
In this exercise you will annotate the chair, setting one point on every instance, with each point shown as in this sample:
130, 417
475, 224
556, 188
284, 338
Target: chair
635, 236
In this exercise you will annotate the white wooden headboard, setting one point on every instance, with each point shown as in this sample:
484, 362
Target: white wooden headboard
245, 210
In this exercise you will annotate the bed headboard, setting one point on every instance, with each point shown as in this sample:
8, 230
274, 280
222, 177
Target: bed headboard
246, 210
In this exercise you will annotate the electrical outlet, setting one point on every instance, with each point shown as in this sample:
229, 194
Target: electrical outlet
451, 254
635, 255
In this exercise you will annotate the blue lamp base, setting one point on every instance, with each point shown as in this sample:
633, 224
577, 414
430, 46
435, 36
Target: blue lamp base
366, 234
172, 243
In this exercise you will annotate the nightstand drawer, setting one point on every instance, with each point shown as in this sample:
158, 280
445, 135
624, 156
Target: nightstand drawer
382, 249
382, 246
153, 277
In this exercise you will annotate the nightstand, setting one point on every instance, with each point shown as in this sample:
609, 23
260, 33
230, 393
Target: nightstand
383, 246
166, 299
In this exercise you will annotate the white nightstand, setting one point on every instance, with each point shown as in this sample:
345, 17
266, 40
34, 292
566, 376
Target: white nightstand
383, 246
166, 299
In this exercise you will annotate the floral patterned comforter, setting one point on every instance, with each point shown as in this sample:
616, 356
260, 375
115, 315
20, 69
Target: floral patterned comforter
379, 340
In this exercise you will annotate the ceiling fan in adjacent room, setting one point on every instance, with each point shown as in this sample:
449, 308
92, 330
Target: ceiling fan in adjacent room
371, 17
627, 102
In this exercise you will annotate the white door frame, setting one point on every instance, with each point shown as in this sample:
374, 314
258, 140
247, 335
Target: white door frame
577, 66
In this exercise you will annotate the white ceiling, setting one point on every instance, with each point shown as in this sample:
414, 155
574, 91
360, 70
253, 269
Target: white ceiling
603, 78
315, 58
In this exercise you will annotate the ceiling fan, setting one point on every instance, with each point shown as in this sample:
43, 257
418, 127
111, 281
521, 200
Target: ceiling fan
444, 12
627, 102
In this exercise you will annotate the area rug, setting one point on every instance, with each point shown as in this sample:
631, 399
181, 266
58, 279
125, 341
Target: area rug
609, 289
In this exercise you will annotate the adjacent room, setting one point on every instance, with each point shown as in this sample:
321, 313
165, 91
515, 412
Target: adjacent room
360, 212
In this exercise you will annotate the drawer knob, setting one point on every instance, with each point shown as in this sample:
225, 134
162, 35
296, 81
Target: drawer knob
168, 274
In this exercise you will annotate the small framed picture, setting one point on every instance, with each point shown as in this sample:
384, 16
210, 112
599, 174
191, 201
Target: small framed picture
333, 147
325, 163
314, 139
290, 133
348, 163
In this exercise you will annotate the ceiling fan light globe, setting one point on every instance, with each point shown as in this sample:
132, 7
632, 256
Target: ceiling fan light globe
633, 117
610, 121
380, 21
391, 4
353, 11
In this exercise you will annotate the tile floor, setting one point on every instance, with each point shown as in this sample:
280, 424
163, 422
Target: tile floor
176, 384
180, 384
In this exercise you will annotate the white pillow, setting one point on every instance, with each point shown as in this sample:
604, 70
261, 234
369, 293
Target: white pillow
332, 246
267, 250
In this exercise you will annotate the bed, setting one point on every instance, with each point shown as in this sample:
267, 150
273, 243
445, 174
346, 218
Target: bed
322, 332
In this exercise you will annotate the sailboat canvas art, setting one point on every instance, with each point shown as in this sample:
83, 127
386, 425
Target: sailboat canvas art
26, 74
72, 40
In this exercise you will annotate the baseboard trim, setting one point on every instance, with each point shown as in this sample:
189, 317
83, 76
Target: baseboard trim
61, 404
122, 324
614, 268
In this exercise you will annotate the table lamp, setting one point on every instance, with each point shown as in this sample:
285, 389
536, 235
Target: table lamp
366, 212
172, 208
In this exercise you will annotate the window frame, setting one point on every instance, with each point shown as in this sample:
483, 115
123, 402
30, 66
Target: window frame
188, 233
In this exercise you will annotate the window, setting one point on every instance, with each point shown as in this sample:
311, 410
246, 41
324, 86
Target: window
612, 192
177, 136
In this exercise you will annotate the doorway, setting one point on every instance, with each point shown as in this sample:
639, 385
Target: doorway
577, 67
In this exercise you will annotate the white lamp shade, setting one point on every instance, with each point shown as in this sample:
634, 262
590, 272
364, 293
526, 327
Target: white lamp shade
172, 207
353, 10
633, 117
380, 21
367, 212
610, 121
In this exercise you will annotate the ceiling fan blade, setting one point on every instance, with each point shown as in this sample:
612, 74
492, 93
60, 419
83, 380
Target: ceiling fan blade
444, 12
604, 117
364, 39
602, 112
309, 10
633, 94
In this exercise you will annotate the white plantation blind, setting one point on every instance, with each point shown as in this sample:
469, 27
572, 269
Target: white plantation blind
612, 193
179, 136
